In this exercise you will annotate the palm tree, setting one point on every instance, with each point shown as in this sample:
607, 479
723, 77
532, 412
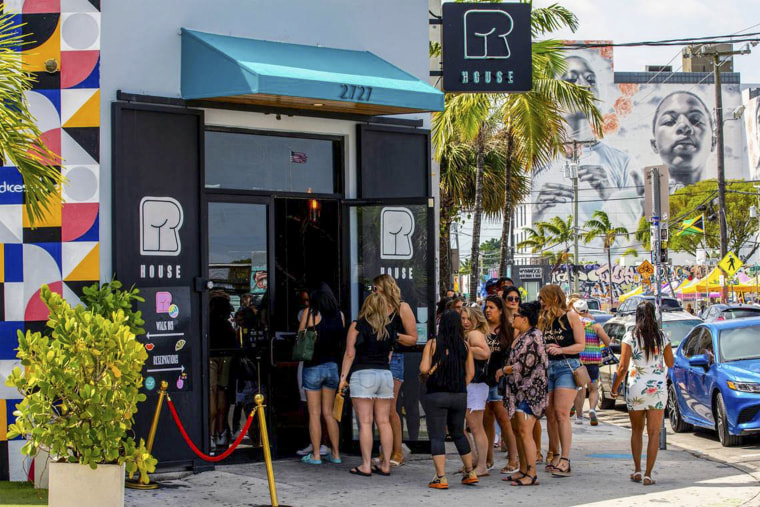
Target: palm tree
21, 141
599, 226
560, 233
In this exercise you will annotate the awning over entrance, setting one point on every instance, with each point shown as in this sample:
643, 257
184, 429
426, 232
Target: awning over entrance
259, 72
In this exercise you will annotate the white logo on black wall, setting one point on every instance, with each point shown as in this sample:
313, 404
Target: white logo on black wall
160, 221
396, 230
490, 28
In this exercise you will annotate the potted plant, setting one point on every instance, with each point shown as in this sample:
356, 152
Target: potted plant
81, 382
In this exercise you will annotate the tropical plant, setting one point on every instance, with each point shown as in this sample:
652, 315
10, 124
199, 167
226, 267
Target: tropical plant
21, 142
81, 385
560, 233
599, 226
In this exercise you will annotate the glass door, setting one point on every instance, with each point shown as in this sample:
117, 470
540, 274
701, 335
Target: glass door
396, 238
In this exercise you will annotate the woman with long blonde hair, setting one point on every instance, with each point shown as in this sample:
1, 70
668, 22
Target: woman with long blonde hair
564, 337
475, 330
369, 346
405, 323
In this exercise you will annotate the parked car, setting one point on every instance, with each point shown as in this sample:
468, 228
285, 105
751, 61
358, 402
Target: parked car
628, 307
600, 316
676, 325
593, 304
728, 312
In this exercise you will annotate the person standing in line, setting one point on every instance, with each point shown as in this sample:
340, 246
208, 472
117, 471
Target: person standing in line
591, 358
369, 346
448, 363
405, 323
563, 335
644, 353
527, 389
476, 328
320, 375
499, 338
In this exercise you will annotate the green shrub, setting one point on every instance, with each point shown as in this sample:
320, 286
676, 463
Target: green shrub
81, 383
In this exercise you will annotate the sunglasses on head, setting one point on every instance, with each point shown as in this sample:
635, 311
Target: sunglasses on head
512, 299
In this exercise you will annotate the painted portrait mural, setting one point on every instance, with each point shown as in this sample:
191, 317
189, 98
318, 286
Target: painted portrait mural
649, 119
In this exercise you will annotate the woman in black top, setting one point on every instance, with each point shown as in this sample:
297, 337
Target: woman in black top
369, 346
449, 365
565, 340
320, 375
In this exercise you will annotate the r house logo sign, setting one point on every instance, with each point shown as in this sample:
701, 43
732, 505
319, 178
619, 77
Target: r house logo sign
161, 219
486, 47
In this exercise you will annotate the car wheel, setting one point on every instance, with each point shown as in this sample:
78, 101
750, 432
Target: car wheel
676, 422
721, 425
605, 403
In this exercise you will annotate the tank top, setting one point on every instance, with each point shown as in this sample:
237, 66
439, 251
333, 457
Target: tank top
436, 383
330, 336
497, 358
371, 353
398, 325
592, 354
560, 333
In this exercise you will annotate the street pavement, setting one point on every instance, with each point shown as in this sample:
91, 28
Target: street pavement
600, 460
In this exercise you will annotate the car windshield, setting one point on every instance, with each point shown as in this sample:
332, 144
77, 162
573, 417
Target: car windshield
677, 330
740, 313
670, 304
593, 304
740, 343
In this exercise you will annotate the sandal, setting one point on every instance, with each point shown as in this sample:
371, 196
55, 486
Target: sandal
539, 457
550, 466
309, 460
558, 472
510, 469
356, 471
513, 477
533, 481
636, 477
377, 470
648, 481
397, 463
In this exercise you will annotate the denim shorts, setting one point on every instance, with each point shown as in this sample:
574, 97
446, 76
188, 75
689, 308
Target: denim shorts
524, 408
477, 394
397, 366
561, 373
324, 375
593, 372
373, 384
493, 394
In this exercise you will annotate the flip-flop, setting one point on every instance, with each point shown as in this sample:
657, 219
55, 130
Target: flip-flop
308, 460
636, 477
336, 461
648, 481
356, 471
380, 472
396, 464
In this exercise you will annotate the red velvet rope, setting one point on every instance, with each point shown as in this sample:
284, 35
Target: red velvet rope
197, 451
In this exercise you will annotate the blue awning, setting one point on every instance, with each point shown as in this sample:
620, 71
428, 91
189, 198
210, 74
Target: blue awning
236, 69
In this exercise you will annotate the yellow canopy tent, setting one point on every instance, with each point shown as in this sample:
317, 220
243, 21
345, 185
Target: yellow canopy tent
634, 292
711, 283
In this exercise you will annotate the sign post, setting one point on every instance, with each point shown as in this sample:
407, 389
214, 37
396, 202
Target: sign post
730, 264
653, 176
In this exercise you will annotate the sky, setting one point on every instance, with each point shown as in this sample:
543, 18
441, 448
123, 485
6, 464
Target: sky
639, 20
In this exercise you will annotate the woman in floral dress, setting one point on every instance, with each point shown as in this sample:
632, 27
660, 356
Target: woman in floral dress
647, 351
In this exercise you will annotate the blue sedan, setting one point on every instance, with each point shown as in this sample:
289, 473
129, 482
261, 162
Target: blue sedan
715, 382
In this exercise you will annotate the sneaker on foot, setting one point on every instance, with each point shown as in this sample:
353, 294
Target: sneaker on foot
324, 450
213, 443
592, 418
221, 441
470, 478
306, 450
439, 482
579, 420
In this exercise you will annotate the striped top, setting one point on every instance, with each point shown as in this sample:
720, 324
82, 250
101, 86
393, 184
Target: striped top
592, 354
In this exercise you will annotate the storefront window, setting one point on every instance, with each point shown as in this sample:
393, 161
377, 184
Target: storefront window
245, 161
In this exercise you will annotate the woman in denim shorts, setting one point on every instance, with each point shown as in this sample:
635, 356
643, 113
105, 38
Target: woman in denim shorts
405, 323
320, 375
369, 346
564, 338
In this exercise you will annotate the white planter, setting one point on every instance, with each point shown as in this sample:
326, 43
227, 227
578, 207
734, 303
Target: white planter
41, 464
74, 485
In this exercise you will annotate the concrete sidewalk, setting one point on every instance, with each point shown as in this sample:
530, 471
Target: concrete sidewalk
600, 460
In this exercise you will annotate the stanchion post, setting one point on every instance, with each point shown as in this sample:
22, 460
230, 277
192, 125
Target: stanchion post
152, 436
259, 399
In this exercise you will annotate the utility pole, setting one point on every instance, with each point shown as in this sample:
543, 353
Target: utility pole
712, 50
656, 244
574, 176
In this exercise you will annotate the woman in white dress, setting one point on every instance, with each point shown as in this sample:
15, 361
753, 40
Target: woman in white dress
647, 351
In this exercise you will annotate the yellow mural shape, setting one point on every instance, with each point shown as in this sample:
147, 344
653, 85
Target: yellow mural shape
34, 59
88, 115
88, 269
3, 420
51, 217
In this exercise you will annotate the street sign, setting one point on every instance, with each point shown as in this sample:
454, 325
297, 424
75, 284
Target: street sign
646, 269
487, 47
730, 264
664, 192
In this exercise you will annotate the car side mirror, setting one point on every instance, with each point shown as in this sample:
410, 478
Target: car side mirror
699, 360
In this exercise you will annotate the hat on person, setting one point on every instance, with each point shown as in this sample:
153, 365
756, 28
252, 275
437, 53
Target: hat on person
492, 286
581, 306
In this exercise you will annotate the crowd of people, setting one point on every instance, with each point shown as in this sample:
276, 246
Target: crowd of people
505, 364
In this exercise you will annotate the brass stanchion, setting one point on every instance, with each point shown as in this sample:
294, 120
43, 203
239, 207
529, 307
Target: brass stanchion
267, 454
132, 484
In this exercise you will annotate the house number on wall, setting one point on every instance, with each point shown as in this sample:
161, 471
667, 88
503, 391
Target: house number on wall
354, 92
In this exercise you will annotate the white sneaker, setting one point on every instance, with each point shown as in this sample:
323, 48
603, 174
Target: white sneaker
306, 450
579, 420
324, 450
222, 440
213, 443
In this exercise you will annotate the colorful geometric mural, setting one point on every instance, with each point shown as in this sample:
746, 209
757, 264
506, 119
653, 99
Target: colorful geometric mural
62, 250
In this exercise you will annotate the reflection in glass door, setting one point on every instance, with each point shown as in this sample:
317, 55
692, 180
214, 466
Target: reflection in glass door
238, 311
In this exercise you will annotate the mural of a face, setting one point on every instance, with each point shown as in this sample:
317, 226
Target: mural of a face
682, 130
757, 129
579, 72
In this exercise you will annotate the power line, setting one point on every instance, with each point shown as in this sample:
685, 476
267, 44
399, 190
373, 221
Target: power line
686, 41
